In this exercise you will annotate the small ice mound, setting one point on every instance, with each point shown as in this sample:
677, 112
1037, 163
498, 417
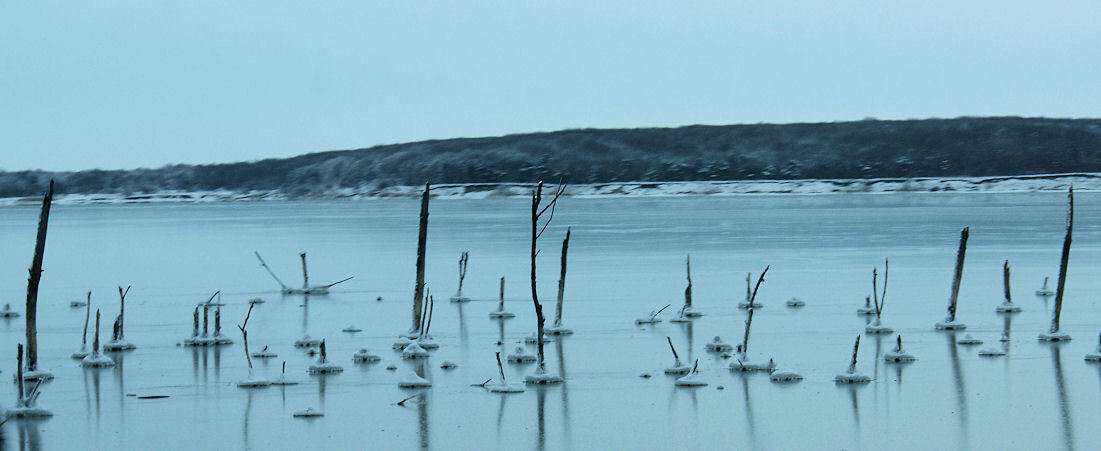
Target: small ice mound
992, 352
498, 387
795, 302
950, 325
745, 365
717, 345
283, 381
1006, 307
402, 343
678, 368
96, 360
365, 356
542, 377
852, 377
558, 330
448, 365
690, 380
414, 351
413, 380
7, 312
264, 354
255, 301
79, 354
308, 413
785, 375
307, 342
254, 382
745, 305
118, 345
1054, 336
877, 328
968, 340
351, 329
691, 312
28, 412
501, 313
427, 342
520, 355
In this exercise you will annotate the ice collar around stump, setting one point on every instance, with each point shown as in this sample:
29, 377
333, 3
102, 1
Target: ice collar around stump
254, 381
968, 340
413, 380
784, 375
557, 329
448, 365
898, 354
534, 338
1044, 291
1054, 336
264, 353
718, 345
1007, 307
877, 328
867, 309
520, 355
692, 379
351, 329
1095, 356
308, 413
365, 356
427, 342
414, 351
501, 387
95, 359
306, 342
992, 352
652, 318
255, 301
542, 377
950, 324
7, 312
851, 375
678, 367
323, 365
501, 313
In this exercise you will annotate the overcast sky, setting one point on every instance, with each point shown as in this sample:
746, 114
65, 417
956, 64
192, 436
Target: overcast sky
144, 84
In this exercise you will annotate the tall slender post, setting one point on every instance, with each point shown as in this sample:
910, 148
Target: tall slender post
688, 289
305, 274
87, 313
1005, 280
19, 371
95, 341
195, 320
562, 280
501, 299
748, 277
35, 278
856, 347
122, 311
960, 254
671, 348
422, 239
1061, 284
462, 269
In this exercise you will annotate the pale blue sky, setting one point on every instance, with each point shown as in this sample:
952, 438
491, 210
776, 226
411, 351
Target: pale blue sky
145, 83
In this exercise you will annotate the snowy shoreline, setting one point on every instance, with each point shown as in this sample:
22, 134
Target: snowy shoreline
1000, 184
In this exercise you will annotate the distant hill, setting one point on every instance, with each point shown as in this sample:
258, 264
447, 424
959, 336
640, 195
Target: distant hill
969, 146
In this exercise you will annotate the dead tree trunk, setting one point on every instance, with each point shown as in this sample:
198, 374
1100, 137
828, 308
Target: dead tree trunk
688, 289
537, 211
122, 311
19, 371
305, 274
35, 278
562, 280
749, 319
1063, 263
960, 254
501, 304
422, 240
856, 347
465, 257
95, 340
1005, 280
87, 313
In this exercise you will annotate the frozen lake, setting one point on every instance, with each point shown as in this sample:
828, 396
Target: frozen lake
626, 258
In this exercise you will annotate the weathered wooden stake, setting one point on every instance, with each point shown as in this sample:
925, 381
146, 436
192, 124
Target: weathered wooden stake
122, 311
422, 240
501, 304
95, 341
688, 289
749, 319
960, 254
34, 279
19, 370
1005, 280
87, 313
305, 274
1059, 288
856, 347
562, 280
